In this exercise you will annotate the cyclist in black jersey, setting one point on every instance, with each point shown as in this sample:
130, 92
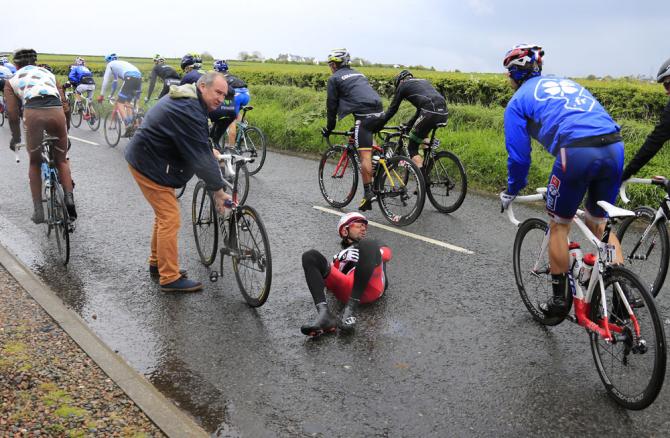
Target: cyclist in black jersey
349, 92
431, 109
167, 74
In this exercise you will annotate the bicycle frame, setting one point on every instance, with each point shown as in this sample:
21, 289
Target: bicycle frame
581, 298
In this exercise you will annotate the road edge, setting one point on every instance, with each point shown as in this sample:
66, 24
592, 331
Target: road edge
168, 417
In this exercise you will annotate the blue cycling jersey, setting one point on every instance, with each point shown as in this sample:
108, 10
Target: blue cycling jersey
10, 66
554, 111
77, 73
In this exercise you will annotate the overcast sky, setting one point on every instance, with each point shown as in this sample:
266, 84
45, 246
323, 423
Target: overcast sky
580, 37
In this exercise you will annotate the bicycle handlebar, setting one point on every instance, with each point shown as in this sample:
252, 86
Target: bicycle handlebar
541, 192
657, 181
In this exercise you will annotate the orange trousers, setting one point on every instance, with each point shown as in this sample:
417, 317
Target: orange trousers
164, 240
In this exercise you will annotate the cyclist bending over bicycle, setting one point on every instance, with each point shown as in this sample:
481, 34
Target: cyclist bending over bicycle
431, 110
349, 92
572, 126
168, 76
42, 112
130, 90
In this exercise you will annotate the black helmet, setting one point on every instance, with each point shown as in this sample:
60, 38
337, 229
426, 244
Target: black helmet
402, 76
23, 57
193, 59
664, 71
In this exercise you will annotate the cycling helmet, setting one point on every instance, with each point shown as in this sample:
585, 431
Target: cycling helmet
3, 60
524, 61
221, 65
23, 57
191, 59
339, 56
663, 72
158, 59
79, 61
349, 219
111, 57
402, 76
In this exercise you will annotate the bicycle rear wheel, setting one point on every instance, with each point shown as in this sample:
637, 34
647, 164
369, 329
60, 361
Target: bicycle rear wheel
76, 116
446, 182
531, 269
2, 113
252, 261
61, 221
338, 176
253, 146
112, 127
632, 373
205, 223
401, 192
94, 115
645, 248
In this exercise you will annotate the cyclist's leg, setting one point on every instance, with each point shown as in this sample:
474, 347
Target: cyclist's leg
363, 143
34, 126
422, 127
240, 99
55, 126
316, 268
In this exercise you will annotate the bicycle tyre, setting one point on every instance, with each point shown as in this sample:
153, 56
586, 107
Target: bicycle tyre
604, 354
446, 182
94, 116
112, 127
534, 284
178, 193
328, 181
254, 248
76, 116
205, 223
253, 145
654, 269
2, 116
393, 199
242, 184
61, 223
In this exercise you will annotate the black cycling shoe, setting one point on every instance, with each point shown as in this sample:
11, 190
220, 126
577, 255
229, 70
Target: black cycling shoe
325, 322
347, 324
555, 306
366, 202
69, 204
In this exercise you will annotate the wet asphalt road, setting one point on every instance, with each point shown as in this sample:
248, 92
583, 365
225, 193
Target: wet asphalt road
449, 351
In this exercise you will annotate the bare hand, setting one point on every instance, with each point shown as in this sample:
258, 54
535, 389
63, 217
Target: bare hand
220, 198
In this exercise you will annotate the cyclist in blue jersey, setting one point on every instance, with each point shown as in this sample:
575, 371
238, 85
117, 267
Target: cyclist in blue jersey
130, 90
81, 79
5, 63
237, 97
191, 63
572, 126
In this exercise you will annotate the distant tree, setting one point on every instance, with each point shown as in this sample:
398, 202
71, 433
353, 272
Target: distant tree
243, 56
257, 55
206, 56
282, 57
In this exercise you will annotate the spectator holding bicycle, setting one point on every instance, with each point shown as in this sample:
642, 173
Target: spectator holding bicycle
572, 126
238, 96
171, 145
191, 64
42, 100
431, 110
130, 90
659, 135
349, 92
356, 275
168, 76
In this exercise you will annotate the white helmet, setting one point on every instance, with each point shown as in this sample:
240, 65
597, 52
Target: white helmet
349, 219
339, 56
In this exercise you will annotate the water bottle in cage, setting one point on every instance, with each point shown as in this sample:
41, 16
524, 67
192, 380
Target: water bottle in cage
575, 258
375, 161
586, 270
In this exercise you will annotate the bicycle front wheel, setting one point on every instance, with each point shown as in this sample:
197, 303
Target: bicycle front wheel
531, 268
61, 221
205, 223
631, 368
446, 182
94, 116
112, 127
338, 176
645, 247
252, 261
242, 184
401, 191
76, 116
253, 146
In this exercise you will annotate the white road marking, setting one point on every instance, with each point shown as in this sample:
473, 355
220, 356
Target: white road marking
83, 141
403, 232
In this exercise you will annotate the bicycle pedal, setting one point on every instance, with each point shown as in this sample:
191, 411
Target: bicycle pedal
213, 276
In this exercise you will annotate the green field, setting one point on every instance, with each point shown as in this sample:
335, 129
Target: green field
289, 101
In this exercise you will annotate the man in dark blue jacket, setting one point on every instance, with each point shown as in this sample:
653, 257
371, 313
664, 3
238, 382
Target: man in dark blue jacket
169, 147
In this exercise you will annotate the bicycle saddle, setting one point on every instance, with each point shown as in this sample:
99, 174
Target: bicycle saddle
614, 211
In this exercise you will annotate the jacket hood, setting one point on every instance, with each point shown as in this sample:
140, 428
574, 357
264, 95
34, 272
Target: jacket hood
186, 91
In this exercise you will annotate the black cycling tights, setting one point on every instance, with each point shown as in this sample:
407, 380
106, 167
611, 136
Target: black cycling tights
317, 269
220, 128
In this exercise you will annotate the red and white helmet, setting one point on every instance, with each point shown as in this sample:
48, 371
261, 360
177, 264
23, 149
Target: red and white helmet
349, 219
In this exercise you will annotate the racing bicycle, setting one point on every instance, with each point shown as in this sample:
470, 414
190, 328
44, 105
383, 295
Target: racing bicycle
113, 124
85, 109
627, 342
243, 237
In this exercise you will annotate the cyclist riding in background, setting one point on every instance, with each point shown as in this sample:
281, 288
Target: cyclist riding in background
130, 90
5, 63
81, 79
572, 126
431, 109
42, 112
238, 96
167, 74
5, 74
356, 275
349, 92
191, 63
659, 135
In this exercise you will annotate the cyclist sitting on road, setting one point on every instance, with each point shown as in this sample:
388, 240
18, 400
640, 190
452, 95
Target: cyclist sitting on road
167, 74
572, 126
191, 63
42, 112
356, 275
81, 79
5, 63
130, 90
431, 109
349, 92
659, 135
238, 96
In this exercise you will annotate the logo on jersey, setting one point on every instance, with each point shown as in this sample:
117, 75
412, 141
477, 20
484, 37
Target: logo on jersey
552, 192
575, 96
